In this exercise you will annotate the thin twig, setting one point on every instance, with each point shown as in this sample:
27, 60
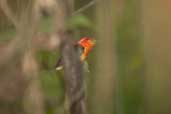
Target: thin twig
82, 9
5, 7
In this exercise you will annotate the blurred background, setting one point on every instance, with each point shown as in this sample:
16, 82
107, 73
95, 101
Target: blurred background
130, 65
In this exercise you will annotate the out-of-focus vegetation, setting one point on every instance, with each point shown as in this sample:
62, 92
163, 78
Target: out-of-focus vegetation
135, 48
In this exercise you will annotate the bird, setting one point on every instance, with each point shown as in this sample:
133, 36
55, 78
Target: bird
83, 48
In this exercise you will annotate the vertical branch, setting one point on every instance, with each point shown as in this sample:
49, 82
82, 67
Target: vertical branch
25, 30
103, 93
72, 68
33, 98
157, 33
11, 60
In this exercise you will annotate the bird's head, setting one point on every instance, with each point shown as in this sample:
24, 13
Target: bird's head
83, 48
87, 43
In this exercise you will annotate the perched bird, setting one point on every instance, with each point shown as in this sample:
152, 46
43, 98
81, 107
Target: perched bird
83, 47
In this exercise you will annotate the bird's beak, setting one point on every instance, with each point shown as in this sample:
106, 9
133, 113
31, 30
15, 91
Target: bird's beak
92, 42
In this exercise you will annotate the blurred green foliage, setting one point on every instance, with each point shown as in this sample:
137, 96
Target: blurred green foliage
46, 24
130, 59
7, 34
79, 21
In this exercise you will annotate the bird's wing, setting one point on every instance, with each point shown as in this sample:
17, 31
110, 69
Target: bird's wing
59, 64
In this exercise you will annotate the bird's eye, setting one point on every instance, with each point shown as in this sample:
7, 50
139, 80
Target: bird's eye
80, 50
